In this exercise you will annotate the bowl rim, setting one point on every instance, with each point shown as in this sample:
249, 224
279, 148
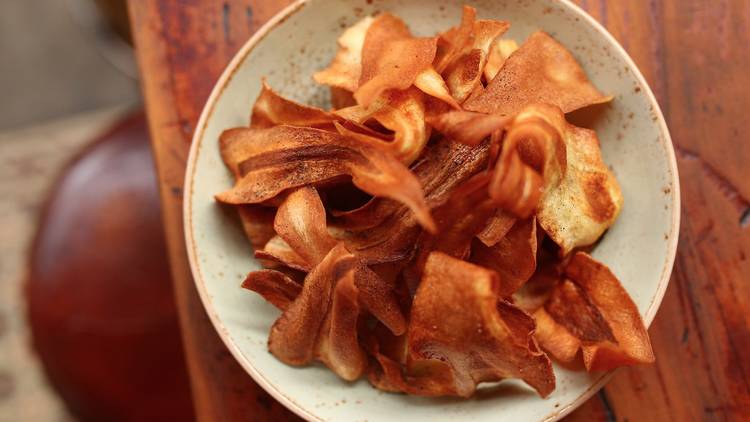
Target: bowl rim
195, 146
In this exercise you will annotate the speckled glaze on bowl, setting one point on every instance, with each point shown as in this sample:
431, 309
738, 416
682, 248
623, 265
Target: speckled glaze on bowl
639, 248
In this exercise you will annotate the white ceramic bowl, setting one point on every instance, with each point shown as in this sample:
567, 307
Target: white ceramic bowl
639, 248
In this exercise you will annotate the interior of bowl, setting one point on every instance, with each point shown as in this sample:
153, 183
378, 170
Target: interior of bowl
639, 248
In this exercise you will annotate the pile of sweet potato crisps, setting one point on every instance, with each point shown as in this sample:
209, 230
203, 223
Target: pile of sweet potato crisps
427, 231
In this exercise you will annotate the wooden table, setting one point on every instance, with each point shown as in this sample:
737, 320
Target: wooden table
696, 57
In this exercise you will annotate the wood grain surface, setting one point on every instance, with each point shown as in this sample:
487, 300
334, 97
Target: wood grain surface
694, 54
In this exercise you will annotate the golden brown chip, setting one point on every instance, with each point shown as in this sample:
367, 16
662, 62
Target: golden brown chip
376, 295
496, 228
283, 157
341, 98
369, 215
535, 292
354, 113
467, 127
459, 219
431, 378
441, 170
402, 112
631, 344
513, 257
294, 335
463, 74
338, 345
391, 58
540, 71
485, 33
345, 69
532, 160
590, 310
272, 109
431, 83
301, 222
277, 250
555, 338
587, 200
452, 42
478, 90
499, 52
274, 286
477, 341
257, 222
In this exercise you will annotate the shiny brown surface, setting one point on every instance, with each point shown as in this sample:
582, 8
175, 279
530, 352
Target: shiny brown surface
100, 300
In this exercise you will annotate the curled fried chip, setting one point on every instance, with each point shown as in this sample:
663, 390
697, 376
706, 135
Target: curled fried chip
431, 378
486, 32
535, 292
346, 68
257, 222
301, 222
338, 345
431, 83
369, 215
533, 145
540, 71
591, 309
274, 286
441, 170
467, 127
481, 341
532, 160
555, 338
272, 109
452, 43
294, 335
283, 157
402, 112
496, 228
391, 58
278, 251
499, 52
631, 345
464, 73
377, 296
478, 90
460, 218
390, 353
587, 200
341, 98
513, 257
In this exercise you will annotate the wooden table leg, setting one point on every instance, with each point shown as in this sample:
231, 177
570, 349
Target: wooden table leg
182, 47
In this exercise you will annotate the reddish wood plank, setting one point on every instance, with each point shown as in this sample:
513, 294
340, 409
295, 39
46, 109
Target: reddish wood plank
182, 47
694, 54
595, 409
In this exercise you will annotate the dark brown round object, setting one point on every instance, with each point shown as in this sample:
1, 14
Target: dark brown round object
99, 294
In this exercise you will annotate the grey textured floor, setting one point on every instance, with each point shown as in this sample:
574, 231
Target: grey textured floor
52, 66
30, 159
